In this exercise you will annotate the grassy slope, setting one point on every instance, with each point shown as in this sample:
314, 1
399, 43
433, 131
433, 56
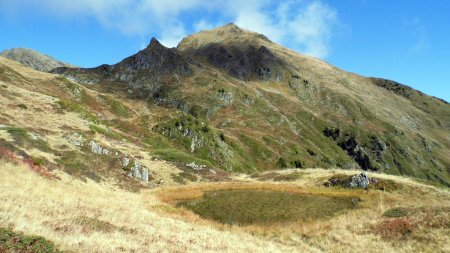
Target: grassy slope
86, 216
89, 217
286, 118
53, 110
253, 122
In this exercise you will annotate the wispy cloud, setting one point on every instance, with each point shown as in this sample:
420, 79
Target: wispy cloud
304, 25
307, 28
417, 33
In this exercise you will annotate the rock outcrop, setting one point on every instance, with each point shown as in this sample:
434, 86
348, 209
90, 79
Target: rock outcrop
98, 149
135, 169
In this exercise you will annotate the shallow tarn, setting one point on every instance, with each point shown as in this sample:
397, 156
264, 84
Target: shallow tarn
247, 207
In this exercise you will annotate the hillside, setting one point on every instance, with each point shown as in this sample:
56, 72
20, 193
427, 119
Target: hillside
33, 59
244, 103
146, 155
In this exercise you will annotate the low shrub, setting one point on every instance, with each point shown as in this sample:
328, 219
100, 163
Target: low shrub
385, 185
188, 175
281, 163
16, 132
93, 224
288, 177
22, 106
11, 241
397, 212
395, 229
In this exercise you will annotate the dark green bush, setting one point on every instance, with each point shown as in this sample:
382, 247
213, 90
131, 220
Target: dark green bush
397, 212
11, 241
281, 163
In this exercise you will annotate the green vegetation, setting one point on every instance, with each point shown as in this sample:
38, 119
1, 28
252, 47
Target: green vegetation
76, 164
63, 105
278, 177
191, 135
281, 163
105, 132
22, 106
297, 164
180, 156
288, 177
11, 241
188, 175
245, 207
39, 161
16, 132
94, 224
117, 107
24, 139
385, 185
184, 176
397, 212
343, 180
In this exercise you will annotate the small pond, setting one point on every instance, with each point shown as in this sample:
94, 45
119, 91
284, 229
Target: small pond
245, 207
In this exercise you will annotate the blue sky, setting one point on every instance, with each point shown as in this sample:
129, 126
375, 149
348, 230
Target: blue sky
406, 41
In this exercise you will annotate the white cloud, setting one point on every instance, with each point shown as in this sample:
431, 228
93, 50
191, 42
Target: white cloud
304, 25
306, 28
203, 25
417, 33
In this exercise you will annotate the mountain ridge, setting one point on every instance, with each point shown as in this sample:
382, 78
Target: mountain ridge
309, 113
33, 59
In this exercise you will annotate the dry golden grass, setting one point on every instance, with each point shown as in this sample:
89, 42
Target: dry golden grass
89, 217
352, 231
118, 221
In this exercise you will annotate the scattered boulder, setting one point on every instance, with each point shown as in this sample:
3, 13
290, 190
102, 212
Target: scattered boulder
137, 170
125, 161
76, 139
97, 149
359, 181
194, 166
356, 181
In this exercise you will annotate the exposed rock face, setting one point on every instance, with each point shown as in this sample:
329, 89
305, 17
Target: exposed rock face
33, 59
97, 149
155, 58
150, 73
139, 171
76, 139
357, 152
243, 62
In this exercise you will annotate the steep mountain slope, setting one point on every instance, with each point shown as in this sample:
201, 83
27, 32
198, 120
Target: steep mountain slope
33, 59
96, 160
249, 104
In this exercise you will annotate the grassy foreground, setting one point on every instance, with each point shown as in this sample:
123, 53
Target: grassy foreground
90, 217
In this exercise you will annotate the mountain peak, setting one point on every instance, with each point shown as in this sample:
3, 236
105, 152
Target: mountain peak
154, 43
231, 27
33, 59
230, 33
